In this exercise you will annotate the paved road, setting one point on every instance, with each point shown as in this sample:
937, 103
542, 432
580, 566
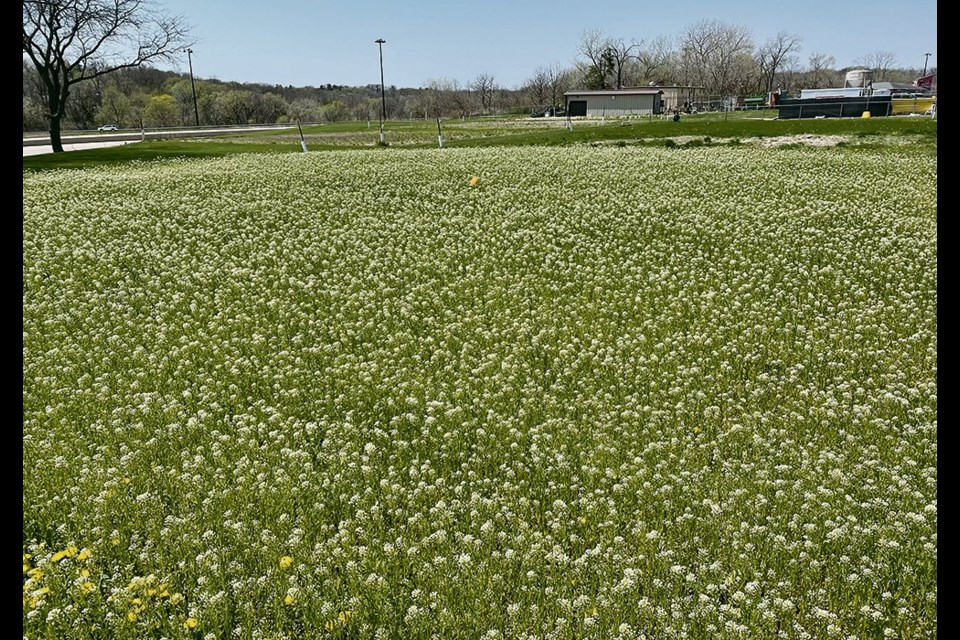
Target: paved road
41, 144
46, 148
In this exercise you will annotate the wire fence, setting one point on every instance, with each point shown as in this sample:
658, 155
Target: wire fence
833, 107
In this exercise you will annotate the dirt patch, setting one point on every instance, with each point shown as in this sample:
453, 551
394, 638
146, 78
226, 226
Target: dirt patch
803, 138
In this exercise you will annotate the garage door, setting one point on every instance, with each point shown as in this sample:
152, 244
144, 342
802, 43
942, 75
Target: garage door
577, 108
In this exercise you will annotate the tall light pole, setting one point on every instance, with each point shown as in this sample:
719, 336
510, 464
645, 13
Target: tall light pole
926, 57
193, 87
383, 95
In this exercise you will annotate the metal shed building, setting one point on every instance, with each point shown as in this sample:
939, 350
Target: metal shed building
625, 102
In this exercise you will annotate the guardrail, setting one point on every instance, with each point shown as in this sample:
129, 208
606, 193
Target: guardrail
151, 134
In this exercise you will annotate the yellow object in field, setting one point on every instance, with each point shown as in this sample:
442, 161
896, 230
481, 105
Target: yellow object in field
866, 114
899, 106
474, 180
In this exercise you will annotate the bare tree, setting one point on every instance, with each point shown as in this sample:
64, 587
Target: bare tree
485, 87
880, 62
82, 109
776, 52
446, 97
562, 79
653, 61
789, 76
309, 110
537, 87
461, 100
599, 64
69, 41
820, 67
716, 55
620, 54
547, 85
608, 62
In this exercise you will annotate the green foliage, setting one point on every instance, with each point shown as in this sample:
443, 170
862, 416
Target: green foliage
160, 111
115, 107
335, 111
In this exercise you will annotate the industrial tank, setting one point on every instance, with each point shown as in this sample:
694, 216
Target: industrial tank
858, 78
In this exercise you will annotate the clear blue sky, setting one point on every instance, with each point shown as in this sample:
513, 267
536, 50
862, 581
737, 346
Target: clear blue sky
304, 42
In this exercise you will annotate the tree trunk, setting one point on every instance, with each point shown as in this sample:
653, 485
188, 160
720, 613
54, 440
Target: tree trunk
55, 116
55, 134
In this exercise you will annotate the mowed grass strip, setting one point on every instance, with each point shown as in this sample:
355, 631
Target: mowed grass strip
501, 132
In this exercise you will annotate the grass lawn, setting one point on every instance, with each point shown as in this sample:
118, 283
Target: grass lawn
499, 132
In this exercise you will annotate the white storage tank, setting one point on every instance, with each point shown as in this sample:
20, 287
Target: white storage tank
858, 78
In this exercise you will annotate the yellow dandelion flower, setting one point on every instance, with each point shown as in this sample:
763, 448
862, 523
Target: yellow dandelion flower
191, 623
474, 180
137, 601
289, 599
84, 555
85, 573
58, 556
26, 567
114, 541
330, 625
345, 616
86, 587
131, 616
35, 573
175, 598
71, 551
285, 562
26, 557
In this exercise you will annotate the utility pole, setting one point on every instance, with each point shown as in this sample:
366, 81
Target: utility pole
193, 87
383, 95
926, 57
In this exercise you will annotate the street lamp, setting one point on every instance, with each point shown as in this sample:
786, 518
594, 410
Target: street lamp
193, 87
383, 95
926, 57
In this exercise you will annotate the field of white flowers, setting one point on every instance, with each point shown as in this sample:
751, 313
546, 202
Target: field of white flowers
601, 393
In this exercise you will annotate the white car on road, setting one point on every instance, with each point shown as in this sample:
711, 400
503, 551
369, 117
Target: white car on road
108, 127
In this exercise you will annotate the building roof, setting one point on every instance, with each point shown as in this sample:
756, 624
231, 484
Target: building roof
897, 86
614, 92
671, 86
